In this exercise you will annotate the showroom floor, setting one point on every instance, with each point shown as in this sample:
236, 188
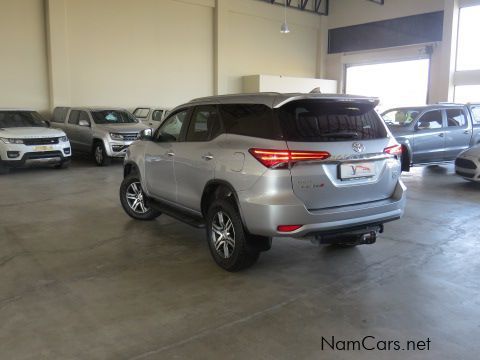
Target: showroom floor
79, 279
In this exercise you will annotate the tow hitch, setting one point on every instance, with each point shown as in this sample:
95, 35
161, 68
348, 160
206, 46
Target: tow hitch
355, 237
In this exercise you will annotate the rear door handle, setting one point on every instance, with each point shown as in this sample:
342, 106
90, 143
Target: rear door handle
467, 132
207, 157
441, 135
170, 153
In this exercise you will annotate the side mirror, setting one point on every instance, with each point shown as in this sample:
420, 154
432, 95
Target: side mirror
146, 134
84, 123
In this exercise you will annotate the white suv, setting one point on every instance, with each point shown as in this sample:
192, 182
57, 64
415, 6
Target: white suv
25, 139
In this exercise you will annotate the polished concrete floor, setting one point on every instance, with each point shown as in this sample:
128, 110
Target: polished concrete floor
81, 280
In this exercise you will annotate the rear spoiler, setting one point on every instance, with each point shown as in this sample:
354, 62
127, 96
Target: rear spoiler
320, 97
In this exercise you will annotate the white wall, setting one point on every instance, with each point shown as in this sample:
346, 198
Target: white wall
285, 84
129, 53
147, 52
253, 43
23, 61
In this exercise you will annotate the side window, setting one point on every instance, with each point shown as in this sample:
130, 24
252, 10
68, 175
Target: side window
456, 118
74, 117
172, 127
254, 120
141, 113
83, 116
205, 124
59, 114
476, 115
157, 115
430, 121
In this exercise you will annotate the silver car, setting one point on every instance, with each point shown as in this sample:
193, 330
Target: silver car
106, 133
433, 134
253, 167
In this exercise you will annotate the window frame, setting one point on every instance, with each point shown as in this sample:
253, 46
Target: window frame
155, 111
142, 108
191, 122
70, 115
465, 115
183, 130
444, 124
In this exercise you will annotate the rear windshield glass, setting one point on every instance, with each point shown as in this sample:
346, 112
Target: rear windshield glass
313, 120
11, 119
113, 117
254, 120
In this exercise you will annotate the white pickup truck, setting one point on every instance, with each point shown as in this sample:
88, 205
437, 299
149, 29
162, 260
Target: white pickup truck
26, 139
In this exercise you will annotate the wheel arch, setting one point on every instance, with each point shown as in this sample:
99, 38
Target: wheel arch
130, 168
220, 189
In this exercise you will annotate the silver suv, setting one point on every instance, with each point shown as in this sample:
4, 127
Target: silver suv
106, 133
253, 167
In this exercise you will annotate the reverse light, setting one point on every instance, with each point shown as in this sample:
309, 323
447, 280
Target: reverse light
288, 228
277, 159
393, 150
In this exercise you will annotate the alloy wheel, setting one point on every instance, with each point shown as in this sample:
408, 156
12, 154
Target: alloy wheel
135, 198
223, 234
99, 154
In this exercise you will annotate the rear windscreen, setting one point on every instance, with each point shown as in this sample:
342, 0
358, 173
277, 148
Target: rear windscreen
313, 120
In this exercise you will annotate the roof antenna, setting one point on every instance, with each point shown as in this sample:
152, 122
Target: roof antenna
316, 91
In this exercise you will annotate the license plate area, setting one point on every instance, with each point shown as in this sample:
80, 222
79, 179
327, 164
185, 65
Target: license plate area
43, 148
356, 170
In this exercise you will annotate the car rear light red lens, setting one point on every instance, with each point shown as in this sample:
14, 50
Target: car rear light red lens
394, 150
288, 228
281, 158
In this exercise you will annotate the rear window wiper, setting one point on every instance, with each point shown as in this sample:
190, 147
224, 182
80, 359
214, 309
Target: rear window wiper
342, 134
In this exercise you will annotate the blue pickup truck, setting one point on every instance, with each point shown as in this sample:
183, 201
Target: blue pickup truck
434, 134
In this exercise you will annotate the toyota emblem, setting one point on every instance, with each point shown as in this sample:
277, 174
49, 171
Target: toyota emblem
357, 147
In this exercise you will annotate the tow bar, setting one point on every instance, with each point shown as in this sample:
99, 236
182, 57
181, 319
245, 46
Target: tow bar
355, 237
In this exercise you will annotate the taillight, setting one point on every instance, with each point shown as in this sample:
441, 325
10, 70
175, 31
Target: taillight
282, 158
393, 150
288, 228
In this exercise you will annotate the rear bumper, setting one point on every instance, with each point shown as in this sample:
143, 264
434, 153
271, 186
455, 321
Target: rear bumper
262, 218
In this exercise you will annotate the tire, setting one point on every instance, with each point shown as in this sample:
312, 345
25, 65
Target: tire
235, 254
100, 154
405, 159
134, 201
63, 165
3, 169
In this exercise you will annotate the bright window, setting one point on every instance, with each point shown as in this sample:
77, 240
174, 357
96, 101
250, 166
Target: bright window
403, 83
467, 93
468, 53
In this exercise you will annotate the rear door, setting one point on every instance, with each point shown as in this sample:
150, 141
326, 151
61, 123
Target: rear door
429, 138
357, 171
458, 133
84, 132
195, 158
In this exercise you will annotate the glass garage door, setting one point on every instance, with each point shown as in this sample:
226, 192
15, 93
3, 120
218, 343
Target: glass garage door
403, 83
